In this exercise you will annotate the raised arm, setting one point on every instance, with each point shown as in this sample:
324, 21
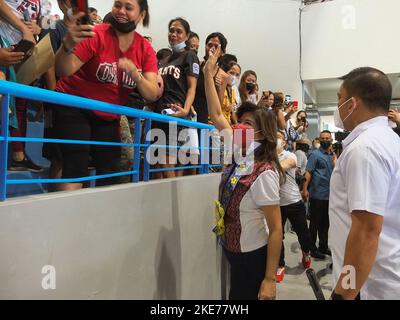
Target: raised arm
281, 119
222, 85
67, 63
213, 101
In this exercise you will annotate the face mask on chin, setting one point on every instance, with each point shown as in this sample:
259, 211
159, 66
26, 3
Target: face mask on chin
124, 27
178, 47
339, 123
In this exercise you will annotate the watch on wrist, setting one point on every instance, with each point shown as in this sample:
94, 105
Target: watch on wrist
66, 50
336, 296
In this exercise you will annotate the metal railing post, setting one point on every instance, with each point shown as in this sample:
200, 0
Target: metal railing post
136, 150
204, 151
4, 146
146, 164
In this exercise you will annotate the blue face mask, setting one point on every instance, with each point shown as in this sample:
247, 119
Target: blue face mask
178, 47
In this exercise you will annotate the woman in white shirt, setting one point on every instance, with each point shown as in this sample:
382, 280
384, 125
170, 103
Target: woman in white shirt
248, 198
292, 207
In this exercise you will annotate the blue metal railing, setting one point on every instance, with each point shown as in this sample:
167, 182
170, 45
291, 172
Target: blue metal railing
10, 89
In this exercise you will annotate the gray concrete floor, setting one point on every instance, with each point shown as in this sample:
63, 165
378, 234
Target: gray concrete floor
295, 285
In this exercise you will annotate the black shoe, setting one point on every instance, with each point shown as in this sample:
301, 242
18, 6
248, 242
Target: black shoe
25, 165
326, 251
317, 255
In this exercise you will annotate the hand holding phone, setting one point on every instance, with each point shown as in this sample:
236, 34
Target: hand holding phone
80, 28
394, 117
81, 6
24, 46
8, 57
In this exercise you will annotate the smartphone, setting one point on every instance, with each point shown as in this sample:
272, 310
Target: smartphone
24, 46
295, 105
27, 16
288, 99
81, 6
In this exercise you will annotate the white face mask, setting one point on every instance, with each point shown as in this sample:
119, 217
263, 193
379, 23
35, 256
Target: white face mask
317, 146
233, 80
178, 47
339, 123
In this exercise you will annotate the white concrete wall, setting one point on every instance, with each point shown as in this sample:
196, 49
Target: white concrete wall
264, 34
341, 35
143, 241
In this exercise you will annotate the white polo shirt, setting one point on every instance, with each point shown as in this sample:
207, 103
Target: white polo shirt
264, 191
367, 178
290, 192
301, 161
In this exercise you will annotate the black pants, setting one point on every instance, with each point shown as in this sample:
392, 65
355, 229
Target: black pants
75, 124
296, 213
247, 273
319, 223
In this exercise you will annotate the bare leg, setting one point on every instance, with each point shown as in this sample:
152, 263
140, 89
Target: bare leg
169, 163
69, 186
55, 172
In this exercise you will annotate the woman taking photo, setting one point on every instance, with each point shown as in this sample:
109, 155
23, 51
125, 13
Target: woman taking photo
249, 199
179, 72
292, 207
301, 125
248, 87
106, 63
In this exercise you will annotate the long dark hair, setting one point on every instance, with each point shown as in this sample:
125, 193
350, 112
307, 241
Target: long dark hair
144, 6
265, 122
183, 22
279, 101
242, 87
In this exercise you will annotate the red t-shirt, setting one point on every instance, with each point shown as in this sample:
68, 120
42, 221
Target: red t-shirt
99, 78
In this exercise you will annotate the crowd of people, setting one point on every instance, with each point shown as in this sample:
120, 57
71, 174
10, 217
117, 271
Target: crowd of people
109, 61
